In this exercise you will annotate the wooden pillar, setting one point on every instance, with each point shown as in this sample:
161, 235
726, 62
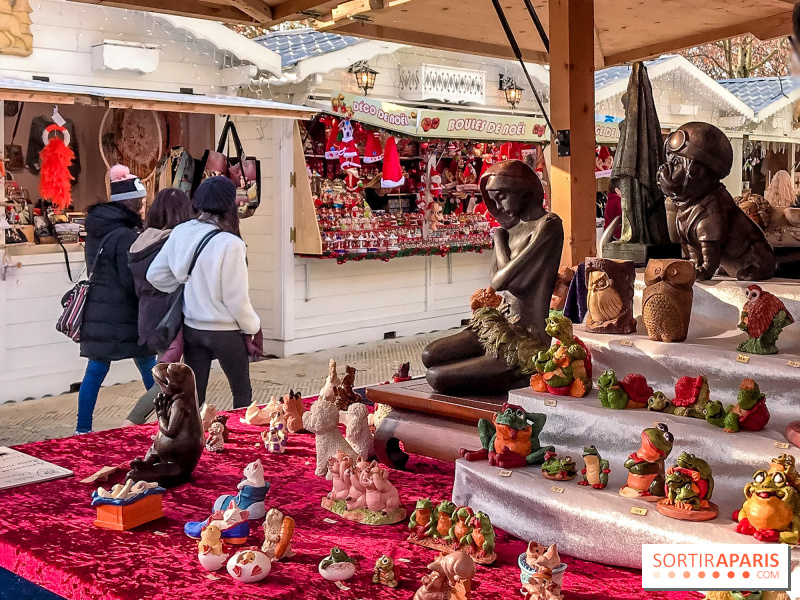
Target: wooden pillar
572, 107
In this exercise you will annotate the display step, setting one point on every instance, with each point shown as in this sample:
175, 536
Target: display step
710, 349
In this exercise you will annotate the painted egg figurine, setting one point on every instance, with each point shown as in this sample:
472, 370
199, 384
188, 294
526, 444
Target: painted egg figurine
211, 551
249, 565
337, 566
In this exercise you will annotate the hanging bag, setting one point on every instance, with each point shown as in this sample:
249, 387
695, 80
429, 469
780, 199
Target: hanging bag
15, 159
244, 171
74, 301
170, 325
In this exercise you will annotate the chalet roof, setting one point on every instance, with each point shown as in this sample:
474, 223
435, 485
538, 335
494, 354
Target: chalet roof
765, 95
295, 45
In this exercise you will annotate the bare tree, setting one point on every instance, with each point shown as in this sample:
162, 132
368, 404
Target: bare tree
254, 31
741, 57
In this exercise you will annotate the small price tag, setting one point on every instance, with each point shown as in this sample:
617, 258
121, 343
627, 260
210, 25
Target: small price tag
793, 363
743, 358
626, 342
329, 521
505, 473
638, 510
307, 463
212, 577
557, 490
403, 560
342, 586
161, 533
550, 402
256, 445
782, 445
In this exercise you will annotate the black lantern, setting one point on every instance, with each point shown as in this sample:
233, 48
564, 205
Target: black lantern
512, 91
365, 76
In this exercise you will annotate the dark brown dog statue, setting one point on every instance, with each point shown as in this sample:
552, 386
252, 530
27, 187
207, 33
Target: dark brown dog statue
713, 231
178, 445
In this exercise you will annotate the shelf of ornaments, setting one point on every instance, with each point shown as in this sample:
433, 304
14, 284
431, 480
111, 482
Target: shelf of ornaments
361, 153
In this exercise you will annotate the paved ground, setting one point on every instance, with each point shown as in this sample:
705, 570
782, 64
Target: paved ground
54, 417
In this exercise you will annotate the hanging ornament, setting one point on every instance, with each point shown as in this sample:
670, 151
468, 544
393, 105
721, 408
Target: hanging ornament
392, 175
348, 152
373, 152
56, 158
332, 147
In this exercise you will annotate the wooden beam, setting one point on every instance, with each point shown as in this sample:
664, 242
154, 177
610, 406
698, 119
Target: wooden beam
43, 97
257, 9
184, 8
572, 108
290, 8
426, 40
765, 28
207, 109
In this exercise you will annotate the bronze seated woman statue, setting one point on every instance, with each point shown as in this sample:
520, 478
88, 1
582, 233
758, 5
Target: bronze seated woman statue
527, 252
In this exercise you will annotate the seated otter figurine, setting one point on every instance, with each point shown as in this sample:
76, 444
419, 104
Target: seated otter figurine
178, 445
713, 231
527, 253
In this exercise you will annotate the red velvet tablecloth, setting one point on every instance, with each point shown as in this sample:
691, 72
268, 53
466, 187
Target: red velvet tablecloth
47, 533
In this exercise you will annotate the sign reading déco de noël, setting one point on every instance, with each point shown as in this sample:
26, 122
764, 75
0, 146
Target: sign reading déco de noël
374, 112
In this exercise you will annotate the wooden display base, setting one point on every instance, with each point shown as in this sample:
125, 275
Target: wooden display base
122, 518
629, 492
445, 548
362, 515
709, 513
559, 477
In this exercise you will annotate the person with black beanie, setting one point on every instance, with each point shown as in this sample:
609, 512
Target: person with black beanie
217, 312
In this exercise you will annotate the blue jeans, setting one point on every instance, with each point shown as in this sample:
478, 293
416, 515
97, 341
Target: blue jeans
96, 372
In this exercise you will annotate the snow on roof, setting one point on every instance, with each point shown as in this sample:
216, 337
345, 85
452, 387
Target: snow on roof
295, 45
765, 95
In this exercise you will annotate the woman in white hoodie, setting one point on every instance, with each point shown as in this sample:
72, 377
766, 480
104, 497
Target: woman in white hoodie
217, 313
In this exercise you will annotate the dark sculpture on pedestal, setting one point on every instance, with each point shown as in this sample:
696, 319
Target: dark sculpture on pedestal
527, 252
178, 445
713, 231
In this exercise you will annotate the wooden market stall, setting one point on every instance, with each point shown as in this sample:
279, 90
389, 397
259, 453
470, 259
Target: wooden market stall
174, 80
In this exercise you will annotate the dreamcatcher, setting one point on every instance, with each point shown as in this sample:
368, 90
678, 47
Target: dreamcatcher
134, 138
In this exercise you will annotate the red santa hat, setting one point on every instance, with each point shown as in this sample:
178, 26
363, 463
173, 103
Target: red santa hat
392, 171
332, 147
373, 152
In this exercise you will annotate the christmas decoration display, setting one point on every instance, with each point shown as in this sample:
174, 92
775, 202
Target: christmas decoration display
392, 175
373, 152
348, 153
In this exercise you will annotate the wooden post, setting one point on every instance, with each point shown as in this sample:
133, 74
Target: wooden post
572, 108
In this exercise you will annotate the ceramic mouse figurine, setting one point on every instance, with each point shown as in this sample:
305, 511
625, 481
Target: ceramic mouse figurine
646, 465
178, 444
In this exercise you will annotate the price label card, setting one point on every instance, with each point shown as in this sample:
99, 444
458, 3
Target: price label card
342, 586
638, 510
793, 363
626, 342
743, 358
212, 577
506, 473
329, 521
403, 560
557, 490
782, 445
161, 533
550, 402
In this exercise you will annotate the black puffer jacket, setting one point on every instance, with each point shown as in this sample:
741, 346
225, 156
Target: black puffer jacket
153, 304
110, 319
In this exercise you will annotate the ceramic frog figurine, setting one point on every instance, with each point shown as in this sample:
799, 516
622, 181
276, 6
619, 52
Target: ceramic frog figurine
646, 465
714, 413
481, 539
421, 517
442, 521
689, 486
461, 525
691, 398
770, 509
596, 471
383, 573
511, 439
750, 411
336, 556
558, 468
566, 367
631, 392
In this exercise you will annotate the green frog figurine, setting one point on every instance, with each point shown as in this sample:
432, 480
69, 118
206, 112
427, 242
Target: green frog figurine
558, 468
689, 486
596, 469
564, 369
646, 465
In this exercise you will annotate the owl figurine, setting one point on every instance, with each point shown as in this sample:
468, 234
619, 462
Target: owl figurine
667, 299
763, 318
609, 295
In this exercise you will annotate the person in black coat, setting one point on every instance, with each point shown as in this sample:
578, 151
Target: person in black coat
110, 331
170, 208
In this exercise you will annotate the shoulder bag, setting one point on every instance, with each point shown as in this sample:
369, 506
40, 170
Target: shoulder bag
169, 326
73, 302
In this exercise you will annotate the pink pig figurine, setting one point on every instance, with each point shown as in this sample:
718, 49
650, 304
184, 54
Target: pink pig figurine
338, 465
381, 495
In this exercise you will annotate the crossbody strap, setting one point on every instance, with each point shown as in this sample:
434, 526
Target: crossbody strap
200, 247
106, 237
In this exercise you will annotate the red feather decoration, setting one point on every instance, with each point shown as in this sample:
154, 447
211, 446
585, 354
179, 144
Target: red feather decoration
55, 179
